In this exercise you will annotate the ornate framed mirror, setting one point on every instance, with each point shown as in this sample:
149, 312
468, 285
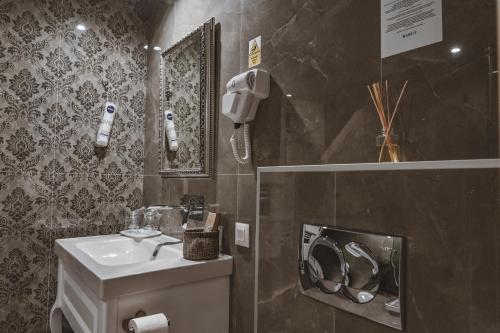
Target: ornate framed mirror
187, 105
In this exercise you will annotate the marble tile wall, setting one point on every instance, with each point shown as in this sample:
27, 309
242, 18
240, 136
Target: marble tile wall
53, 182
449, 219
321, 55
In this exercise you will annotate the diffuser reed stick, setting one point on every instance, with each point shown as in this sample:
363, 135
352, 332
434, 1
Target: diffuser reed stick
386, 116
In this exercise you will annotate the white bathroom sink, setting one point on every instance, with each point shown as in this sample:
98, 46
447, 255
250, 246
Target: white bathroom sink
126, 251
115, 252
115, 265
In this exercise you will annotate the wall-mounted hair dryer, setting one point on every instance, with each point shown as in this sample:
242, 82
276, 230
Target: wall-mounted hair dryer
244, 92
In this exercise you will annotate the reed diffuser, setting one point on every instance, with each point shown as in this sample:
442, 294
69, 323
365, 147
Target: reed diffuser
386, 118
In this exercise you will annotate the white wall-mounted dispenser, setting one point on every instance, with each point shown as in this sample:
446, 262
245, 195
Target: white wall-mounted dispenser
244, 92
106, 124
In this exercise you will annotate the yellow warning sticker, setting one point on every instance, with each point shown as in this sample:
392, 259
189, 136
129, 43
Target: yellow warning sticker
254, 52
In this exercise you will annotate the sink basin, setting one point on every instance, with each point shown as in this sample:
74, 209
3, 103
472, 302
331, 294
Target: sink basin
115, 252
115, 265
125, 251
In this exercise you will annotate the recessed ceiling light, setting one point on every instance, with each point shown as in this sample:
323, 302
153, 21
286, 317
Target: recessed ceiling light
288, 95
81, 27
145, 47
455, 50
157, 48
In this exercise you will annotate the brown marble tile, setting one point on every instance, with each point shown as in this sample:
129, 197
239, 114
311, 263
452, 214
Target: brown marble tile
330, 118
447, 218
228, 18
315, 198
174, 188
247, 196
448, 116
244, 258
288, 201
277, 262
483, 206
225, 203
154, 190
318, 81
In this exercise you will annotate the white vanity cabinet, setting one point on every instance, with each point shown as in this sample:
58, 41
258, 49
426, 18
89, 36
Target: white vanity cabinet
105, 280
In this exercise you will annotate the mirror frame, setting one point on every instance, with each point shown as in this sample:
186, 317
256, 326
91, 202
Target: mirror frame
207, 107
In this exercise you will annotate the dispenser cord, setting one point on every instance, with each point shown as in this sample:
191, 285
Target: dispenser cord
248, 146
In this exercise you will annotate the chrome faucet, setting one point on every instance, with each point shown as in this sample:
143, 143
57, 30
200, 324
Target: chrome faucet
159, 246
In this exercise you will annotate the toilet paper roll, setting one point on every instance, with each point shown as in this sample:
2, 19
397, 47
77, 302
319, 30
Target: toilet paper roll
157, 323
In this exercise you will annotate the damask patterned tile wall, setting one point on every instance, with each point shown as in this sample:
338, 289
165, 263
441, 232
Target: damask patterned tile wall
54, 81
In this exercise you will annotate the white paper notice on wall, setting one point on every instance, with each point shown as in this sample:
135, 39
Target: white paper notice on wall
410, 24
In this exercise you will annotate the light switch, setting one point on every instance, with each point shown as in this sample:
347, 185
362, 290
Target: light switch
242, 234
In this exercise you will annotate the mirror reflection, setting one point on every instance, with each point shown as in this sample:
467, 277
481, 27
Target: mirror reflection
186, 119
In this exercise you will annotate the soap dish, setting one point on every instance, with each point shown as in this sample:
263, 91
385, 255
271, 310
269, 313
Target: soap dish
140, 233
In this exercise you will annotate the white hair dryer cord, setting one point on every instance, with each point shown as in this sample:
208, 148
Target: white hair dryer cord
248, 146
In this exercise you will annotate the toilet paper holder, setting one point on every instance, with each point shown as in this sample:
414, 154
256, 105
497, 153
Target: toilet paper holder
138, 314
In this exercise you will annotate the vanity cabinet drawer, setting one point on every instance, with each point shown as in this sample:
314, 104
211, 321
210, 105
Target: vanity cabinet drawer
81, 307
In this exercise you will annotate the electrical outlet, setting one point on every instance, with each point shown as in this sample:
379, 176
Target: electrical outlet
242, 234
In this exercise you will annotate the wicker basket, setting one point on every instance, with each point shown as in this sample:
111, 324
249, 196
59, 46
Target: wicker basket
200, 245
